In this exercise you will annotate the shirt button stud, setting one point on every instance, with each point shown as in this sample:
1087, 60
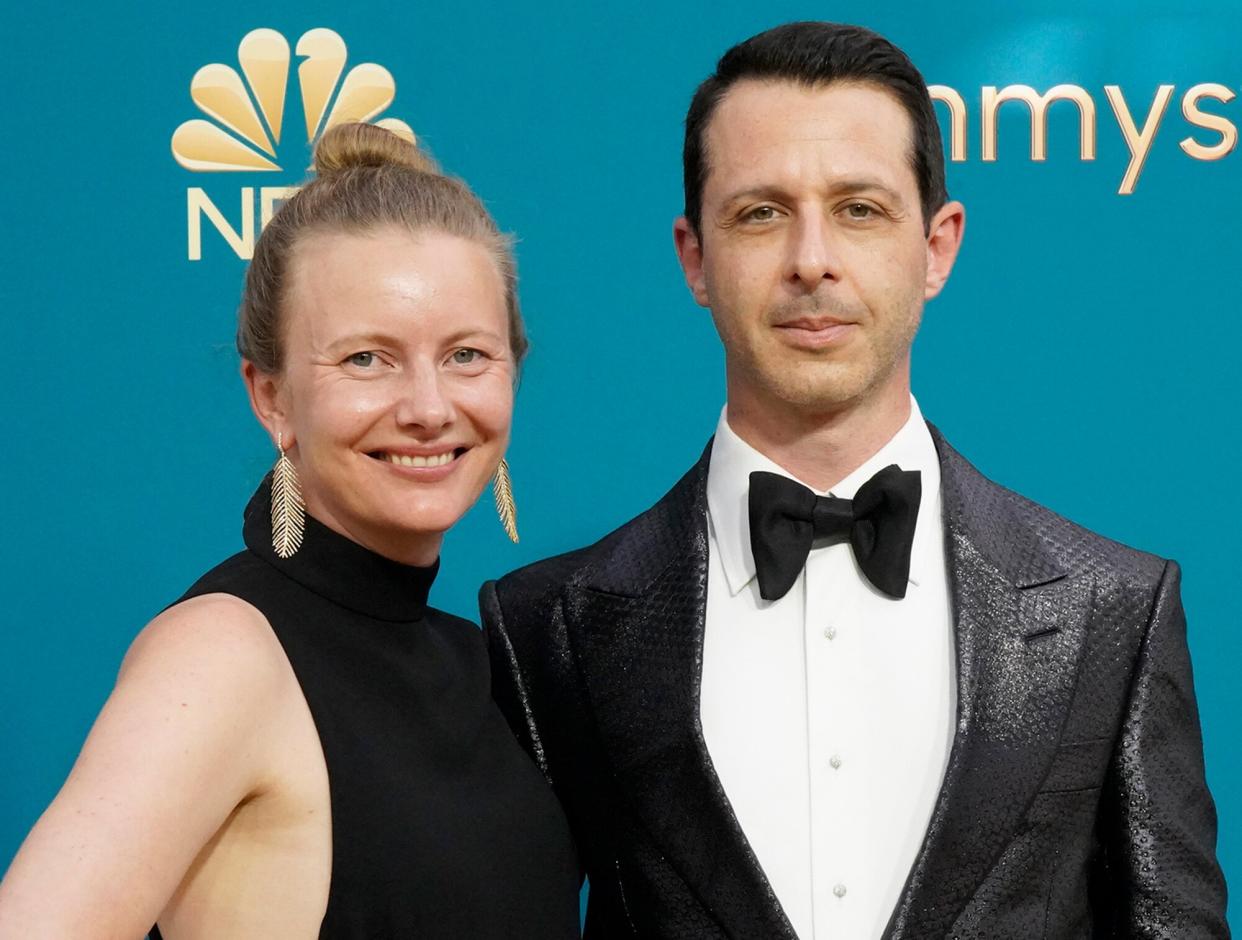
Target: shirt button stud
834, 762
839, 891
830, 633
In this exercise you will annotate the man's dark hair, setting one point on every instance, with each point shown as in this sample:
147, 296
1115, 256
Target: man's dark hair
813, 54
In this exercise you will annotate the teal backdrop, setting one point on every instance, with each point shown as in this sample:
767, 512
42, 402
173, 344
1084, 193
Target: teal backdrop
1083, 353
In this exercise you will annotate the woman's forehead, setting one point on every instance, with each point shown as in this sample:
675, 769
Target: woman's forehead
394, 282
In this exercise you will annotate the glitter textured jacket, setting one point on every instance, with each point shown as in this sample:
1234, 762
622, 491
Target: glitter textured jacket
1074, 803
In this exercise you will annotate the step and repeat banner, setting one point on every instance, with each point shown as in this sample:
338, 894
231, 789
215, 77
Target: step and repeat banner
1084, 352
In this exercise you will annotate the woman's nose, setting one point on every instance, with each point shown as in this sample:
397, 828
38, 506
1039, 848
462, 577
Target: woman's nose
424, 401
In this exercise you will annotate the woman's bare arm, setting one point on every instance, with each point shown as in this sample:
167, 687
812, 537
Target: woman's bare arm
181, 741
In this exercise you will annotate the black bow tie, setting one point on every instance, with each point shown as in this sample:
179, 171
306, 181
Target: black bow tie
786, 517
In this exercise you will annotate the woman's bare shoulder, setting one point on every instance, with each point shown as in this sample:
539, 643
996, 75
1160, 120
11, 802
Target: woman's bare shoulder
187, 734
204, 677
210, 633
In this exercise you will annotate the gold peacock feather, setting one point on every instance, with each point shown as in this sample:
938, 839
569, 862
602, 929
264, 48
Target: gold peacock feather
502, 487
288, 510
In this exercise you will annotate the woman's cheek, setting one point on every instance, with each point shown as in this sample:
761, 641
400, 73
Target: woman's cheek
488, 398
361, 399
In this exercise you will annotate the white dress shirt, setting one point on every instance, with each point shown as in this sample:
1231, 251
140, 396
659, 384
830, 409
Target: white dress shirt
829, 714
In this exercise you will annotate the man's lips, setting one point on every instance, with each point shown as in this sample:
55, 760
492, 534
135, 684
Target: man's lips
813, 323
814, 332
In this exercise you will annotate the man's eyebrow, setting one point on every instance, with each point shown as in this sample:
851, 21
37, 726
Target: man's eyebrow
844, 187
756, 192
861, 184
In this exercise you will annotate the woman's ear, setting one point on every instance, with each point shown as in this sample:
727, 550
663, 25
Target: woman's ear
267, 402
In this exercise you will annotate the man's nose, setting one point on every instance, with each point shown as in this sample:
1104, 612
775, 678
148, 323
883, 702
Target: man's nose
812, 257
424, 402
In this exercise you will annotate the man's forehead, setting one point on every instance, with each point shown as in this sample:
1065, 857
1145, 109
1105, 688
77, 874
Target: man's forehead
794, 111
759, 114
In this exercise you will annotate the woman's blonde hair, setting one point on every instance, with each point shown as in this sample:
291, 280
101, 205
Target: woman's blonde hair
366, 178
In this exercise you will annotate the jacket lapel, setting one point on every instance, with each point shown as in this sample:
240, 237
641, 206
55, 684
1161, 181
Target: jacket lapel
638, 615
1020, 619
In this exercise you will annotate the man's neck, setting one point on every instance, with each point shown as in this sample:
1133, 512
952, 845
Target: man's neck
821, 449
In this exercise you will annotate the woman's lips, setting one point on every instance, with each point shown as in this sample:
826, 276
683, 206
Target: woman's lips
426, 467
419, 460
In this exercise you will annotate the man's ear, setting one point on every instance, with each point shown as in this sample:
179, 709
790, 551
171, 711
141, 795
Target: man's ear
690, 255
944, 238
267, 403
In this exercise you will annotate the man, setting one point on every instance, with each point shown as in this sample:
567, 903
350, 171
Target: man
892, 699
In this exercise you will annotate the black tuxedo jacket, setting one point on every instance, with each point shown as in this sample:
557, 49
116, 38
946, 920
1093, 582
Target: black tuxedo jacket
1074, 803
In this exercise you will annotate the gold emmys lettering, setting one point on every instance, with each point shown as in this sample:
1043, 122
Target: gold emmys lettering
1139, 141
244, 138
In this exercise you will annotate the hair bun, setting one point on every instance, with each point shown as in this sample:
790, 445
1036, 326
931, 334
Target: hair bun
350, 145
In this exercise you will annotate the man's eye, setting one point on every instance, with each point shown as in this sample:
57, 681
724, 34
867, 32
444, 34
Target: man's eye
463, 357
761, 214
859, 211
363, 360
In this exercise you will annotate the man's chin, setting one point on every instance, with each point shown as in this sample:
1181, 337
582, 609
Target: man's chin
817, 394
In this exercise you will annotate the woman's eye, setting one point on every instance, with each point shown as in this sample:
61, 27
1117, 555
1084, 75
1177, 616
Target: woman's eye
363, 360
463, 357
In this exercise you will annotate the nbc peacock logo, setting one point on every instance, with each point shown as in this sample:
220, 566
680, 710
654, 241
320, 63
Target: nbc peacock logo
247, 112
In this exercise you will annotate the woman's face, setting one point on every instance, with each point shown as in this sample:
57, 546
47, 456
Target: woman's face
397, 391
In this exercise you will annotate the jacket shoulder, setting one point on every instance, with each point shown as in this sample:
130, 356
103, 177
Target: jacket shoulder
1084, 549
639, 548
1007, 516
535, 586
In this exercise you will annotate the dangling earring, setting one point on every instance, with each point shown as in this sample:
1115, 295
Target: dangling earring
288, 510
506, 508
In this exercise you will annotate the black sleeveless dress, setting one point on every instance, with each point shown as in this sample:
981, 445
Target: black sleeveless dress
441, 824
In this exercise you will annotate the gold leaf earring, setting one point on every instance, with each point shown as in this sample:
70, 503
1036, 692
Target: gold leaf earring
288, 510
506, 508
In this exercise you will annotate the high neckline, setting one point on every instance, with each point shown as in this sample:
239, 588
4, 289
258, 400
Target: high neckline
339, 569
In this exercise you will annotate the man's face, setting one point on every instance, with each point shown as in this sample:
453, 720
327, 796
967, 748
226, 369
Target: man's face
812, 254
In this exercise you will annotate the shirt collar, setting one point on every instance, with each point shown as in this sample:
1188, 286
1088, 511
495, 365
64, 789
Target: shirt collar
728, 488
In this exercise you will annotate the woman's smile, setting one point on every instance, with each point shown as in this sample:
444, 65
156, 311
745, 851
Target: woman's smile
425, 466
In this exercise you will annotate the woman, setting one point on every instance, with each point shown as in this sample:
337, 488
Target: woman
300, 747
